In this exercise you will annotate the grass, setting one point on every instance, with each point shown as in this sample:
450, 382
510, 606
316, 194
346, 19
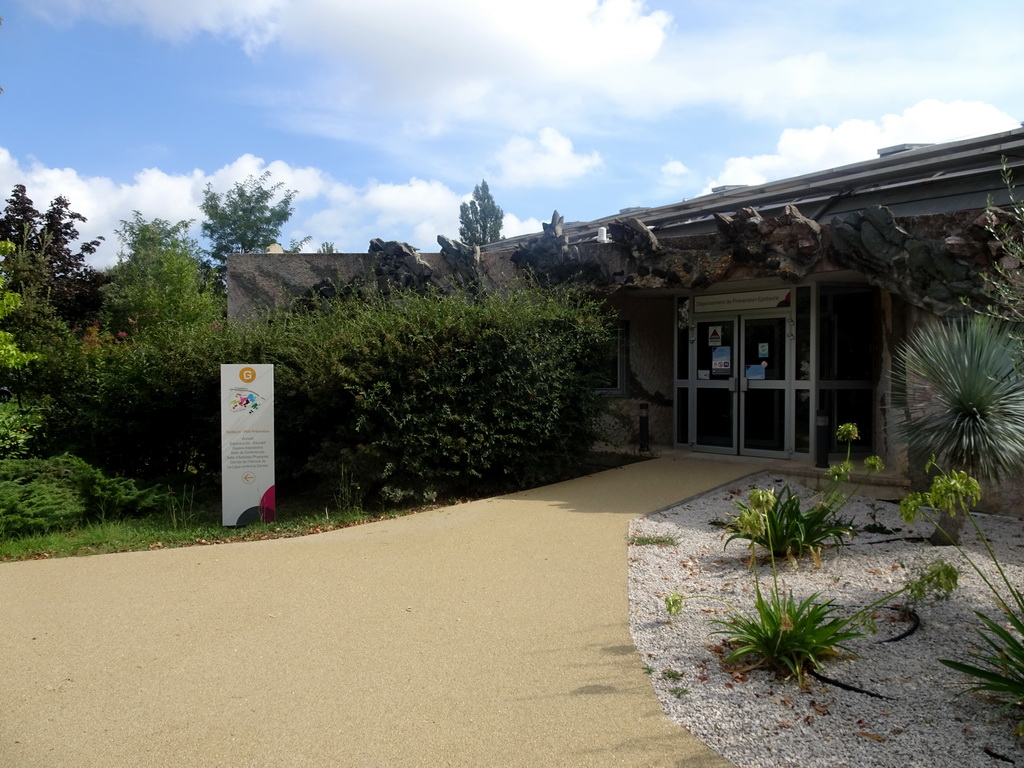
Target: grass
189, 523
659, 541
194, 519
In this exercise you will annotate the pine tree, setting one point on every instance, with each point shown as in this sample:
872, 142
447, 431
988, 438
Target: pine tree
480, 219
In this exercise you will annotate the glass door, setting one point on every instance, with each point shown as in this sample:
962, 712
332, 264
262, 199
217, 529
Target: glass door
741, 385
714, 388
764, 386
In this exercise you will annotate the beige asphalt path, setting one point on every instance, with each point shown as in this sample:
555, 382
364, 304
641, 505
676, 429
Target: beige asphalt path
493, 633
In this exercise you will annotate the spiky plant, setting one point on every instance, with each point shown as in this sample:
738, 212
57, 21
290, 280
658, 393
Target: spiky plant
961, 390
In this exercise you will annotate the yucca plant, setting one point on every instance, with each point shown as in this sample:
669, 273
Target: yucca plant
961, 392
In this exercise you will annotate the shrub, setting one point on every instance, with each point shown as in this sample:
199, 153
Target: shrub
432, 395
18, 430
41, 495
777, 523
37, 505
415, 396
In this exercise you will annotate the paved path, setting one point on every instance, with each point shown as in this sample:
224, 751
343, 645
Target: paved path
493, 633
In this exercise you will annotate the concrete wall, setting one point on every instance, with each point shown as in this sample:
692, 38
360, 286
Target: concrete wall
649, 374
257, 282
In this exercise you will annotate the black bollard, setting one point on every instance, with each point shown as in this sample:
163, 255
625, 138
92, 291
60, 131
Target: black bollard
645, 428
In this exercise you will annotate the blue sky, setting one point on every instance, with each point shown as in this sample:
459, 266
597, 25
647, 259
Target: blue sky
383, 115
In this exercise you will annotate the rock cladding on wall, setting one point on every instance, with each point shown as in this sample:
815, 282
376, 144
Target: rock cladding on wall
788, 246
937, 268
933, 262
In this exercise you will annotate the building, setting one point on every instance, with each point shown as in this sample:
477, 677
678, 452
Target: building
752, 320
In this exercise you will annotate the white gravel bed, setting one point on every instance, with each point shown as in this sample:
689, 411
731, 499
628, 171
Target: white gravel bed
757, 720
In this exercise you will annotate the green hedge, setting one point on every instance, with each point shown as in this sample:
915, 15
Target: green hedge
413, 397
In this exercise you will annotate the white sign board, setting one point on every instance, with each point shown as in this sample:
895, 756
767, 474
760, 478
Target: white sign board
247, 443
735, 302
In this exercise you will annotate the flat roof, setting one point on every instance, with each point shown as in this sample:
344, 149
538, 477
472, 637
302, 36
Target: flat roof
922, 179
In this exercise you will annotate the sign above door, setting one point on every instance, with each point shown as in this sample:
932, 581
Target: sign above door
730, 302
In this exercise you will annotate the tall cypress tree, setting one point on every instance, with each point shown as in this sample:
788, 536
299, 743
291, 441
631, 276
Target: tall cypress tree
480, 219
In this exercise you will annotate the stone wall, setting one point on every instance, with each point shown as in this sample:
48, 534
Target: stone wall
931, 262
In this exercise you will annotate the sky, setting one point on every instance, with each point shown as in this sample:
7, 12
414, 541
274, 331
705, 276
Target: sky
384, 115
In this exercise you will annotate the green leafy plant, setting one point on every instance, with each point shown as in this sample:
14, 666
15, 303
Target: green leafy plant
998, 661
18, 430
792, 636
839, 475
786, 634
778, 524
782, 632
790, 527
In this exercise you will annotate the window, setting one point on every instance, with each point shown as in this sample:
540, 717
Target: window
616, 370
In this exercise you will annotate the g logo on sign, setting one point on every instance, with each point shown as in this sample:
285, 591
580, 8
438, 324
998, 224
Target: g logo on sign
248, 375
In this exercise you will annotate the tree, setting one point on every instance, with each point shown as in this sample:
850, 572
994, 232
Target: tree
161, 277
480, 219
245, 219
10, 355
1006, 226
296, 245
48, 266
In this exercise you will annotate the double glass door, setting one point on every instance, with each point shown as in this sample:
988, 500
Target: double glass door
741, 384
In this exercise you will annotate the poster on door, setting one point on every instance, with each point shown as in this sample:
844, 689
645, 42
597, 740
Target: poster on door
715, 336
721, 361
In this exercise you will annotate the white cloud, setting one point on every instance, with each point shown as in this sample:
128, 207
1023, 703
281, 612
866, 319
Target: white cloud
806, 150
588, 64
512, 225
673, 176
103, 202
325, 209
426, 208
253, 22
510, 63
547, 161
